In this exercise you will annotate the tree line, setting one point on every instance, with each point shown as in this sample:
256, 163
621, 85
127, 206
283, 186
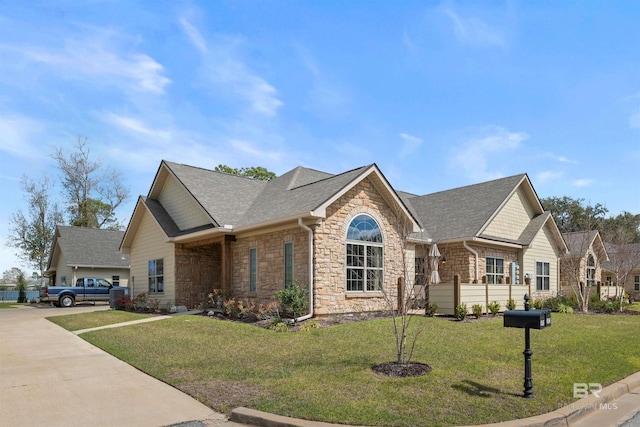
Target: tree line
573, 215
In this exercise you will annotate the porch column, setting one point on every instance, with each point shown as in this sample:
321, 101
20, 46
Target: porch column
227, 263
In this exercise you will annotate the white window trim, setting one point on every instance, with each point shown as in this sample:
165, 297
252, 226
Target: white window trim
548, 277
497, 276
365, 244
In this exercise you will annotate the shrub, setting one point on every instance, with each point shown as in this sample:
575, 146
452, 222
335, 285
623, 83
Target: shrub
431, 309
554, 303
564, 308
124, 303
278, 325
538, 304
461, 311
311, 324
293, 300
477, 310
494, 307
511, 304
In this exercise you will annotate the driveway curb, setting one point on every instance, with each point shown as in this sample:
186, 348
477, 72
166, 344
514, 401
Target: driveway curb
563, 417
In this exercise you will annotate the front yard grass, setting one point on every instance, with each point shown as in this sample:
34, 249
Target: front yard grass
634, 307
325, 374
76, 322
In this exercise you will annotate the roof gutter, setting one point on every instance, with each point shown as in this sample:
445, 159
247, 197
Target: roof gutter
310, 261
464, 243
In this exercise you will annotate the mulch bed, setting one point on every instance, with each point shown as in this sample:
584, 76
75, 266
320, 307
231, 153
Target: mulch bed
402, 370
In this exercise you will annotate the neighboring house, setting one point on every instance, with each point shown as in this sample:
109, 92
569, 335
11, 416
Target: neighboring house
583, 264
623, 267
495, 233
348, 237
87, 252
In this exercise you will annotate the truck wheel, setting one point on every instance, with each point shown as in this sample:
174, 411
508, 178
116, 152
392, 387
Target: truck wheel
67, 301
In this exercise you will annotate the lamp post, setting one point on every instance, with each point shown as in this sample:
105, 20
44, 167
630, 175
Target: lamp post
528, 383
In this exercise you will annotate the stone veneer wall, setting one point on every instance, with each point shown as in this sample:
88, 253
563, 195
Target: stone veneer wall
330, 253
198, 272
270, 251
461, 261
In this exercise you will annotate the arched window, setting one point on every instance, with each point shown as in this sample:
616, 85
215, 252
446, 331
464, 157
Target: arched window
364, 255
591, 271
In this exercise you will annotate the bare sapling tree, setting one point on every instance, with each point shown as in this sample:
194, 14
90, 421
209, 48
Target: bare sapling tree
401, 304
93, 192
32, 232
624, 259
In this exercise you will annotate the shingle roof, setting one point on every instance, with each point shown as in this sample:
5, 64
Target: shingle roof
461, 212
578, 242
297, 192
225, 197
91, 247
622, 256
240, 201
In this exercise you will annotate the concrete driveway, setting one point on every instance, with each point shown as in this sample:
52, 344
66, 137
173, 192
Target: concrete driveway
51, 377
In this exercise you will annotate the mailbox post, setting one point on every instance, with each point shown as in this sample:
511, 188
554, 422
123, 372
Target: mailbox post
527, 319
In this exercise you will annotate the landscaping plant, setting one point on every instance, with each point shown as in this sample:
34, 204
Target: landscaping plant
293, 300
494, 307
461, 311
477, 310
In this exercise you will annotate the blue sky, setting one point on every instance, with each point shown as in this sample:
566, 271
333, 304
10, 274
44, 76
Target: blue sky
438, 94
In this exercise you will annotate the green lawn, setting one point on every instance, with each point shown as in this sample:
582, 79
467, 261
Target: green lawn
76, 322
11, 304
325, 374
634, 307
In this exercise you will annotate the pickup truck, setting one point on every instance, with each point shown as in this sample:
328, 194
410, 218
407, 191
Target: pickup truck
86, 289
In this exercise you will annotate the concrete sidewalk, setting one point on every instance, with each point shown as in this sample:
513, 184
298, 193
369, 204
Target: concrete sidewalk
51, 377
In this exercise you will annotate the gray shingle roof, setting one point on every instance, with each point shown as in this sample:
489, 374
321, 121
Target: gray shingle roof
91, 247
297, 192
241, 202
225, 197
578, 242
622, 256
461, 212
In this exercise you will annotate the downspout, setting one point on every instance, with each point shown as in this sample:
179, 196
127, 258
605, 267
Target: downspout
464, 242
310, 233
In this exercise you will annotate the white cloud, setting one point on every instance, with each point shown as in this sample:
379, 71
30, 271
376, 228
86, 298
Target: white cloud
135, 126
484, 157
102, 57
229, 74
582, 182
411, 144
17, 133
194, 35
326, 98
249, 148
548, 176
473, 31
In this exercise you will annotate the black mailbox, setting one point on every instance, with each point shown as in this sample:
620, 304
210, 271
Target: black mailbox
534, 319
547, 316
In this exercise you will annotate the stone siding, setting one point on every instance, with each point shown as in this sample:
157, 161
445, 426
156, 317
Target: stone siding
330, 253
198, 272
462, 262
270, 253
